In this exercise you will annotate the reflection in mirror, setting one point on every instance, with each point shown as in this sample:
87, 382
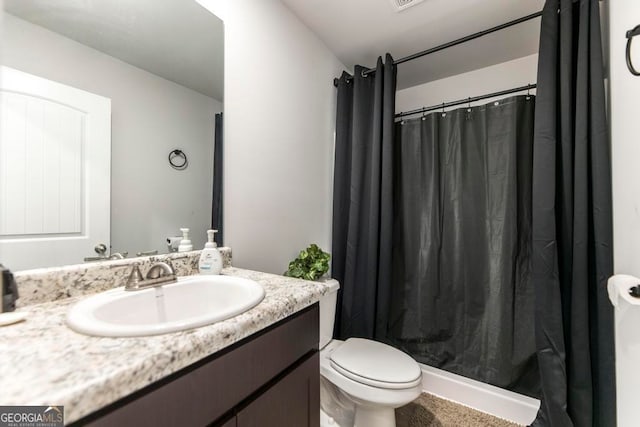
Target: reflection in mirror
97, 96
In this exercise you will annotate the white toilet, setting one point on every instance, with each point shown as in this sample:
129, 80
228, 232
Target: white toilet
362, 381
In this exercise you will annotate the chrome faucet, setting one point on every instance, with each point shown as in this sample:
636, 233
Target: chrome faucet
147, 253
160, 273
115, 255
101, 250
118, 255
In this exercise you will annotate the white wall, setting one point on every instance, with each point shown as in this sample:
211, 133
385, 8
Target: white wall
150, 117
279, 135
624, 92
625, 137
506, 75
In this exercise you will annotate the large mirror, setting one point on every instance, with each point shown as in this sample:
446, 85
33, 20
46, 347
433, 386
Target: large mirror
108, 128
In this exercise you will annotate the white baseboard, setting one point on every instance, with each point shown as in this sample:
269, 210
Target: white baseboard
483, 397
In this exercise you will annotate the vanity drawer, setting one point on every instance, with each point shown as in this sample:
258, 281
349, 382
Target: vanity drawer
203, 392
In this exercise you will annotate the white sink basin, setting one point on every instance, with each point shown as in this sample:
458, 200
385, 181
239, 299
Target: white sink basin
191, 302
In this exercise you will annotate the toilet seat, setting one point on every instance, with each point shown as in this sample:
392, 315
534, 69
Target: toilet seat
375, 364
359, 392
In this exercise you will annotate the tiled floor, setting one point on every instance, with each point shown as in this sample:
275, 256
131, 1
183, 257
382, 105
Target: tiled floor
431, 411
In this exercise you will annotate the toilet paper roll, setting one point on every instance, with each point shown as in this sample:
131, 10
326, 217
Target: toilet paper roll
618, 287
174, 241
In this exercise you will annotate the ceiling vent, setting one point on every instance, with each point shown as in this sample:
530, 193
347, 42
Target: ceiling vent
400, 5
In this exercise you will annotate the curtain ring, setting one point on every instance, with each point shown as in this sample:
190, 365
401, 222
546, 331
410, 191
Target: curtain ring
178, 159
363, 73
630, 35
468, 104
424, 114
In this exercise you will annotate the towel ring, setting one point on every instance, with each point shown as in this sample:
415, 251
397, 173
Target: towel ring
178, 159
630, 35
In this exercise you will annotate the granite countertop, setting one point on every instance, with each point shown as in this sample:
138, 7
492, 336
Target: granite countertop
44, 362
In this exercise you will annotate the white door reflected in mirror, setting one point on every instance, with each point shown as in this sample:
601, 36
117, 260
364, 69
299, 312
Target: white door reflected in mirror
55, 147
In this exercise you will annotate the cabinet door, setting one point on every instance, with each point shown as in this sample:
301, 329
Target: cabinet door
230, 423
292, 401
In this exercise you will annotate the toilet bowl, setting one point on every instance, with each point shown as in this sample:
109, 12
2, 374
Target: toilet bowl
363, 381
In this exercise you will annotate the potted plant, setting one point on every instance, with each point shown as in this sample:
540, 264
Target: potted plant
311, 264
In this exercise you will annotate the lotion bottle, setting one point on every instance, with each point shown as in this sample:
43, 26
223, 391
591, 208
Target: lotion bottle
210, 257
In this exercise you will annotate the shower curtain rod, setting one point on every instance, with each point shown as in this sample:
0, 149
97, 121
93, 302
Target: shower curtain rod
454, 43
465, 101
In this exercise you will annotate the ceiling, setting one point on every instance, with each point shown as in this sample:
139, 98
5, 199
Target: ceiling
178, 40
358, 31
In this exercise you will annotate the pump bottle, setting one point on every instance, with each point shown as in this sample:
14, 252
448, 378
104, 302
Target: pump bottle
210, 257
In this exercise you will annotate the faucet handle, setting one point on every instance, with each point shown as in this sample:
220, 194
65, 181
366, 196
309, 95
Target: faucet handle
135, 278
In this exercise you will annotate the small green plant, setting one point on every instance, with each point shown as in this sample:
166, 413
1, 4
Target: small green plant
311, 264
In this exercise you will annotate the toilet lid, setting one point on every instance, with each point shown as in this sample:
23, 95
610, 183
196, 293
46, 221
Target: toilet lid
376, 364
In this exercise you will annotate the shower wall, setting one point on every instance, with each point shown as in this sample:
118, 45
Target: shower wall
478, 82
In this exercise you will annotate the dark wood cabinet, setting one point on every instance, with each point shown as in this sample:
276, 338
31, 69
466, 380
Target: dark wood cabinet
230, 422
292, 401
268, 379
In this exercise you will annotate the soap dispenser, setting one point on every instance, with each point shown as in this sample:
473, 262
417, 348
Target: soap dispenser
210, 257
185, 243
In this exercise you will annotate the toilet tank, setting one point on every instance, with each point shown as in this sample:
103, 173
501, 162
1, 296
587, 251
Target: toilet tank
328, 311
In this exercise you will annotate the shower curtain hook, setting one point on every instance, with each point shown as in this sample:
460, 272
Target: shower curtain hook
529, 91
469, 104
424, 113
443, 113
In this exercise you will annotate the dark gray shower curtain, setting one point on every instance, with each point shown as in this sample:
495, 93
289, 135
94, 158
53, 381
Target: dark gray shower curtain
461, 299
572, 221
362, 205
216, 210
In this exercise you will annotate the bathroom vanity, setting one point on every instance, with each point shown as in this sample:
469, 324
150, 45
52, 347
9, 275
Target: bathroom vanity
268, 379
259, 368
